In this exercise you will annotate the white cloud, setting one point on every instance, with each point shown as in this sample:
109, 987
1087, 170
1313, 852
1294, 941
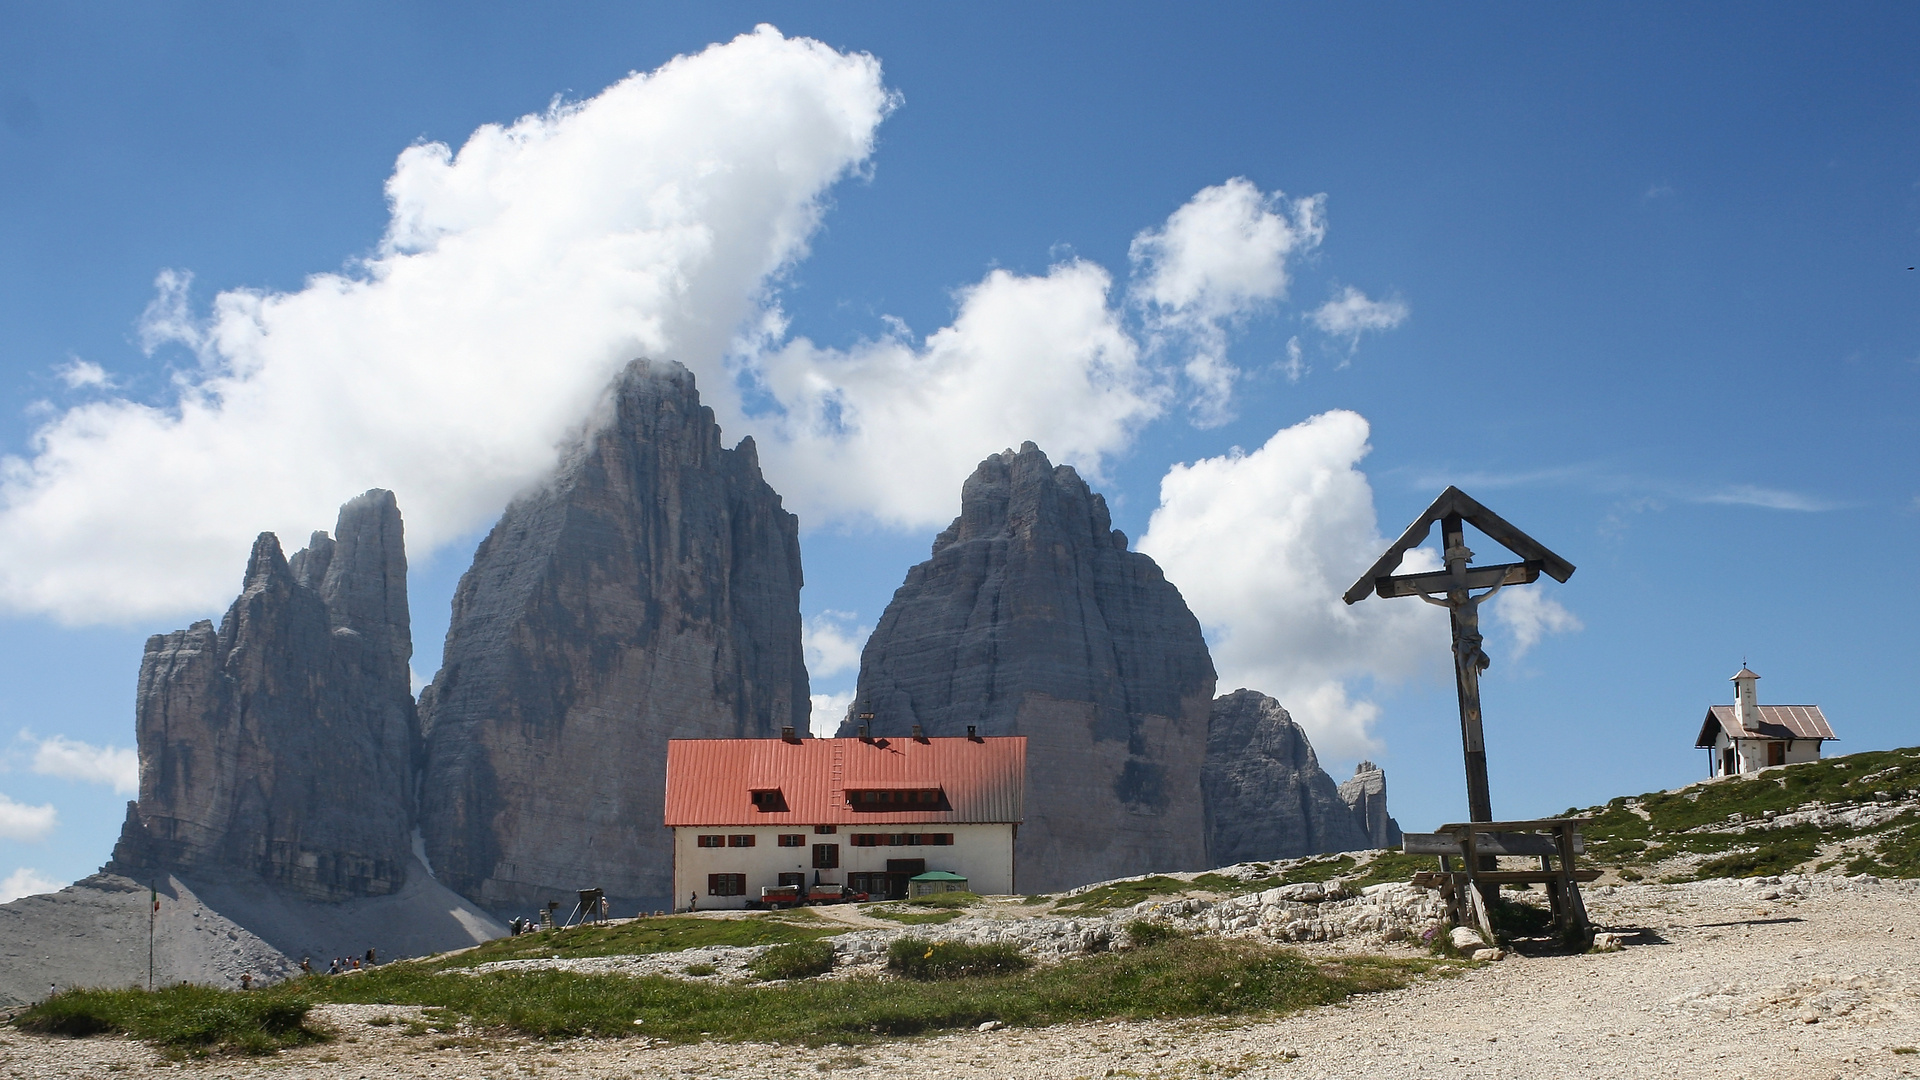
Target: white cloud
1529, 614
889, 429
81, 374
1351, 313
517, 275
18, 821
515, 278
116, 766
828, 711
1219, 259
1766, 498
26, 881
832, 649
1262, 545
1295, 365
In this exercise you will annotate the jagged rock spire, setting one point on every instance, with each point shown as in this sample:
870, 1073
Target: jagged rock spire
650, 590
1032, 618
283, 743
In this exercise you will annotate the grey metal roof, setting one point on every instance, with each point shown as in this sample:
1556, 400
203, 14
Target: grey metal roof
1776, 722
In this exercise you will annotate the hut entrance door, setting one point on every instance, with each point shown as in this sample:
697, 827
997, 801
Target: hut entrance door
899, 873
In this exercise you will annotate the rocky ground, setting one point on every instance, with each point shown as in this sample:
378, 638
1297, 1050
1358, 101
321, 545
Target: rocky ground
1791, 977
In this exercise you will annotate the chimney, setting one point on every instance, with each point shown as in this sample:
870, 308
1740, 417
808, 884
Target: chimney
787, 734
865, 736
972, 733
918, 735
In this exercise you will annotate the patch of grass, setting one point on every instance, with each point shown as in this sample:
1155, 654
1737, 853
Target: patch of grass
1897, 855
1771, 857
795, 960
1122, 894
670, 933
1036, 898
1392, 866
914, 918
181, 1020
1147, 934
1314, 870
1517, 918
1172, 979
700, 969
382, 1021
1621, 837
946, 900
918, 959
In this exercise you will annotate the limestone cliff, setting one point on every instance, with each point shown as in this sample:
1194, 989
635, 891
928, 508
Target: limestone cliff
1366, 797
1266, 795
282, 744
1032, 618
649, 591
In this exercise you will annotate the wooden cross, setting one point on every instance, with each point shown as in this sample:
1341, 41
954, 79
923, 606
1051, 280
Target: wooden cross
1452, 588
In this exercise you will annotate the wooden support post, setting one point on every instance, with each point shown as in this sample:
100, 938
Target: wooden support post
1467, 657
1574, 910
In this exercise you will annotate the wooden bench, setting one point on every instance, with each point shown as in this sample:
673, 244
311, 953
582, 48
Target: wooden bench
1554, 841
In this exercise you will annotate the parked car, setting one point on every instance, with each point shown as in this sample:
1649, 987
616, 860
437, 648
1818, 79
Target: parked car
834, 894
776, 897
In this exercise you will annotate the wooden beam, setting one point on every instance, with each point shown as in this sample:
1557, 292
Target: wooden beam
1451, 502
1478, 577
1488, 843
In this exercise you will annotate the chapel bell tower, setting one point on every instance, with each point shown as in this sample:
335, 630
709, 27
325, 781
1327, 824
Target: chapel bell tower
1746, 702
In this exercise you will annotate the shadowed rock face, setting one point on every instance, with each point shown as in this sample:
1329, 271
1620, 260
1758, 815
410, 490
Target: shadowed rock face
1365, 793
1266, 795
283, 743
1032, 618
650, 591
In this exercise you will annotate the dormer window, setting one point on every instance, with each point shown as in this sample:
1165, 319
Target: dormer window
769, 800
897, 799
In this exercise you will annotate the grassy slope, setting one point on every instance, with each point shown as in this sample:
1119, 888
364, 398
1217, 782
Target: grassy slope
1633, 835
1178, 977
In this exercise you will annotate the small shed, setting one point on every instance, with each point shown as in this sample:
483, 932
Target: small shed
1747, 736
935, 881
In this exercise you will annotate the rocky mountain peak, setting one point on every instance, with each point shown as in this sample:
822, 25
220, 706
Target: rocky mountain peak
1365, 794
1266, 795
282, 743
1031, 617
649, 590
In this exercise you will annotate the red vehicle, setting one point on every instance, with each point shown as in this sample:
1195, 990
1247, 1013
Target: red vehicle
778, 896
830, 893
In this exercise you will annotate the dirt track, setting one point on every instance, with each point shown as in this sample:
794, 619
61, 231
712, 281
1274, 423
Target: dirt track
1730, 983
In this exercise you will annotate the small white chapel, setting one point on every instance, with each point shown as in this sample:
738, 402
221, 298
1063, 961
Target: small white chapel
1747, 736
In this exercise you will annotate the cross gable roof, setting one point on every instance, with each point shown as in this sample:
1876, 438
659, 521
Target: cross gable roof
1454, 501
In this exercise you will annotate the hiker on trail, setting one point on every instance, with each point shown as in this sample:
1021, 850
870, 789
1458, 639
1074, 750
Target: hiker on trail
335, 969
306, 965
246, 980
370, 958
693, 899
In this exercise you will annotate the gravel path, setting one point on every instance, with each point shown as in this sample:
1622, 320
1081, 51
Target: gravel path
1819, 979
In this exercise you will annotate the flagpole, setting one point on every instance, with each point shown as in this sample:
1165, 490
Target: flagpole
153, 915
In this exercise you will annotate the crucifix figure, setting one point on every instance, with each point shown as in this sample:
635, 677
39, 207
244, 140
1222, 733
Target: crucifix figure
1452, 588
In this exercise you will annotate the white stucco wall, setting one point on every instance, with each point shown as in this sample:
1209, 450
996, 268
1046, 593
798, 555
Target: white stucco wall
1752, 753
983, 854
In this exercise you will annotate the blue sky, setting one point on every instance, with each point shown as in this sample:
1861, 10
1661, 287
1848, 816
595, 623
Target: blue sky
1639, 280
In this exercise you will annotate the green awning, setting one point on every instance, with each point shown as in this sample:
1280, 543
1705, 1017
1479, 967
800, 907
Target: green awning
938, 875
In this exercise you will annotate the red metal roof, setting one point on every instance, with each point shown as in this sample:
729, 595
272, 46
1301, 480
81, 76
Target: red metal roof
711, 781
1776, 722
